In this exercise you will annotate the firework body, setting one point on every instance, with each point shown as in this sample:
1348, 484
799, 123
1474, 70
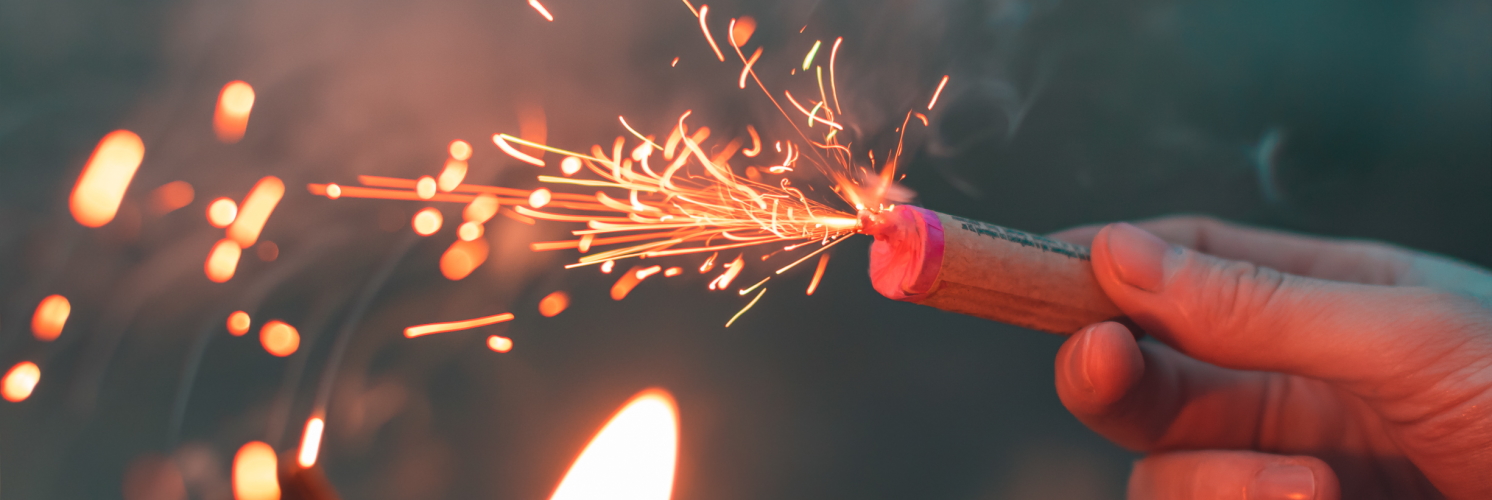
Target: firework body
979, 269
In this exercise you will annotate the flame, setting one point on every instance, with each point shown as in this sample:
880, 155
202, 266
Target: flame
553, 304
239, 323
278, 338
499, 343
310, 442
255, 211
100, 188
171, 196
222, 261
255, 475
434, 328
426, 221
462, 258
232, 116
221, 212
633, 457
51, 315
20, 381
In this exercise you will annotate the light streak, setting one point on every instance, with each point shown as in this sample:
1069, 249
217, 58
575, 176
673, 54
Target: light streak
426, 221
232, 116
542, 11
279, 338
746, 71
673, 271
501, 140
632, 457
255, 211
20, 381
451, 176
808, 60
222, 261
747, 308
674, 63
499, 343
171, 196
469, 231
452, 326
100, 188
310, 442
481, 209
221, 212
553, 304
834, 89
703, 11
255, 475
462, 258
937, 93
741, 30
630, 280
239, 323
50, 317
818, 274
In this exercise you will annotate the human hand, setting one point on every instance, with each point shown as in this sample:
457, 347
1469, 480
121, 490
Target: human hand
1302, 368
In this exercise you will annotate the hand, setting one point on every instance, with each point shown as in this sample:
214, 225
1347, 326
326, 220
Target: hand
1287, 366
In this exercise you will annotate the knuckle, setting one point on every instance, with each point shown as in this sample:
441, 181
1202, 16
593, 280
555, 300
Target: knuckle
1235, 297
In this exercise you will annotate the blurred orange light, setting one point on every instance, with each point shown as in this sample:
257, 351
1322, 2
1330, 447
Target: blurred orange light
426, 221
255, 211
255, 472
481, 208
539, 198
462, 258
460, 150
606, 266
742, 30
451, 176
425, 187
232, 116
628, 281
51, 315
633, 457
221, 212
570, 165
434, 328
542, 11
222, 261
20, 381
499, 343
268, 251
310, 442
672, 271
333, 191
553, 304
938, 92
469, 231
171, 196
100, 188
238, 323
279, 339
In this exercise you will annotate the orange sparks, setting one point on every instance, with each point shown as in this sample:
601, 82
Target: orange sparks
553, 304
756, 143
748, 307
818, 274
481, 209
542, 11
922, 117
434, 328
221, 212
239, 323
606, 266
51, 315
630, 279
279, 338
499, 343
741, 30
731, 271
425, 187
426, 221
460, 150
672, 271
232, 116
332, 191
633, 456
570, 165
501, 140
310, 442
936, 93
746, 71
171, 196
255, 472
222, 261
451, 176
674, 63
255, 211
539, 198
469, 231
100, 188
703, 26
462, 258
20, 381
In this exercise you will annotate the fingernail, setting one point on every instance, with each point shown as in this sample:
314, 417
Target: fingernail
1284, 482
1138, 256
1077, 364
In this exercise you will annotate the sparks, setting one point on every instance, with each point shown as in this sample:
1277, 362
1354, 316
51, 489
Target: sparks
542, 11
434, 328
808, 60
818, 274
937, 93
703, 11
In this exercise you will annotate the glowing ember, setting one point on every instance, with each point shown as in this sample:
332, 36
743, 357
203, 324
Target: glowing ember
51, 314
460, 150
627, 282
426, 221
279, 338
171, 196
20, 381
672, 271
221, 212
937, 93
741, 30
606, 266
434, 328
100, 188
569, 166
239, 323
255, 473
818, 274
633, 457
481, 209
462, 258
222, 261
469, 231
255, 211
501, 140
232, 116
451, 176
553, 304
542, 11
310, 442
425, 187
499, 343
539, 198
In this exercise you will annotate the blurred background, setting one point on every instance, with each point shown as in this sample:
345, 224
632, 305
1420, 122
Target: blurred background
1333, 117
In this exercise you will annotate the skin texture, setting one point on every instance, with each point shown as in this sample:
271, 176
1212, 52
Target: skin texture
1285, 366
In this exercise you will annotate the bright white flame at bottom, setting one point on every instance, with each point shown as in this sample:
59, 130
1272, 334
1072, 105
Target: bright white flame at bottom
633, 456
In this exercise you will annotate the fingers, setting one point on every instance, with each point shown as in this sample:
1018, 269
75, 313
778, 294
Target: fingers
1239, 315
1231, 475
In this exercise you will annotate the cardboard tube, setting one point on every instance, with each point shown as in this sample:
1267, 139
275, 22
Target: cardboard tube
980, 269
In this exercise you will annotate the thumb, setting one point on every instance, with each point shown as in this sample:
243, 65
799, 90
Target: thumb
1240, 315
